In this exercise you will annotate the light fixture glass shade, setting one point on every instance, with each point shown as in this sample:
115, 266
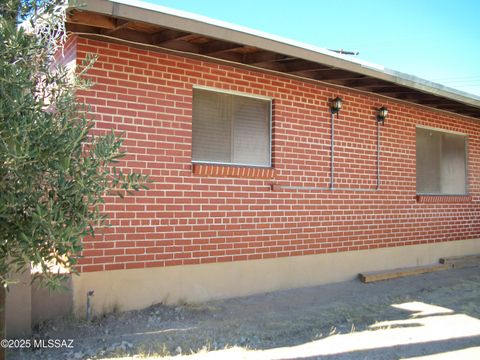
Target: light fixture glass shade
383, 112
336, 105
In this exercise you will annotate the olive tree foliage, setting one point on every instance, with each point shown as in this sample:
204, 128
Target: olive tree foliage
54, 174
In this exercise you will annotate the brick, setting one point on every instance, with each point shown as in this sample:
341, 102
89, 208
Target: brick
203, 213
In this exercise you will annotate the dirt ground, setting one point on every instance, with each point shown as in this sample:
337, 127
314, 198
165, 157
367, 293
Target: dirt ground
431, 316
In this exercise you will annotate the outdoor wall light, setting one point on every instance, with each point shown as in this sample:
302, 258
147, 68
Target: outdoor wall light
382, 114
336, 105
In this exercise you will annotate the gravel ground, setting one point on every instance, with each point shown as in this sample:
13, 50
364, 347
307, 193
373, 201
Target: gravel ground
348, 320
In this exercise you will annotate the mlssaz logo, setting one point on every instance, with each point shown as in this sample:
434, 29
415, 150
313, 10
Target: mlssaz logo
53, 343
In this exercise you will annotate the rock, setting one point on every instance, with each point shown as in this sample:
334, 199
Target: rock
178, 350
124, 346
127, 345
91, 352
113, 347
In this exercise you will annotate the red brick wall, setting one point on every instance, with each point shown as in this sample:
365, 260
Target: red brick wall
189, 217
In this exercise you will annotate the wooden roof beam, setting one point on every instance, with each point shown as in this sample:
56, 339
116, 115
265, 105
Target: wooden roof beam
261, 57
335, 74
120, 24
91, 19
82, 28
418, 97
180, 46
217, 47
229, 56
393, 90
448, 106
304, 66
275, 66
364, 83
433, 102
132, 35
167, 35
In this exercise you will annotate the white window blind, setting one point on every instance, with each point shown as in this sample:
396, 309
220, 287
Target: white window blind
230, 129
441, 162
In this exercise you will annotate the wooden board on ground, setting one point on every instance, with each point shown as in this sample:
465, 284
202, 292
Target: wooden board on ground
461, 261
397, 273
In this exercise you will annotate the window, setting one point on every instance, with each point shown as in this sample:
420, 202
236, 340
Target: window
441, 162
230, 128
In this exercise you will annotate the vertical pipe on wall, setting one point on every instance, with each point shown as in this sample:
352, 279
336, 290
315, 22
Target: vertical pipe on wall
378, 155
332, 149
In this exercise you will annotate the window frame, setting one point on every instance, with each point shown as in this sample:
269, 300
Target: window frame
270, 125
466, 151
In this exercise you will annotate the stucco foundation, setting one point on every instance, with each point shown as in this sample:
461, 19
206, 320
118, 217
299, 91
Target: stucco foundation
18, 315
139, 288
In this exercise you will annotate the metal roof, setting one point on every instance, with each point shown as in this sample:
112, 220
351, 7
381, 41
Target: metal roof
157, 26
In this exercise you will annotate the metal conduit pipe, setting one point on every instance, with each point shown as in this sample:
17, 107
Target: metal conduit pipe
382, 113
335, 106
332, 145
378, 155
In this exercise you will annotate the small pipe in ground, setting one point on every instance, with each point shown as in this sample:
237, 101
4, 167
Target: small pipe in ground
89, 304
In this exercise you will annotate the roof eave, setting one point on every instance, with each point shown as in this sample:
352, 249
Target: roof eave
148, 13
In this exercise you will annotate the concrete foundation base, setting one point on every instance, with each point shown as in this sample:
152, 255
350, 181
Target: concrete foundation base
29, 304
138, 288
18, 307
